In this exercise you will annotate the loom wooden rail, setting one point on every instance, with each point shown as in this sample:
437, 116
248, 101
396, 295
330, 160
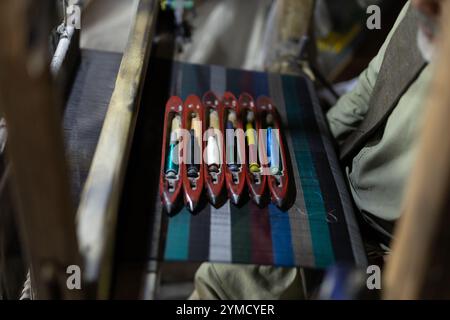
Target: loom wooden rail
419, 263
36, 147
98, 209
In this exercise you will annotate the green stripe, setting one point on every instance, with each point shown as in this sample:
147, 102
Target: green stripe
320, 234
241, 240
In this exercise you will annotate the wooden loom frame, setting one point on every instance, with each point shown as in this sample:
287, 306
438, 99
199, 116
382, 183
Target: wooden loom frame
40, 171
419, 263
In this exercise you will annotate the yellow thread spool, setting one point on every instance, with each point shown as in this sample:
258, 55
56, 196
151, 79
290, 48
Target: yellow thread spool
252, 151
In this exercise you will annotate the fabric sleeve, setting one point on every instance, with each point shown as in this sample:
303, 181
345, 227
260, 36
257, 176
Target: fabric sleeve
351, 108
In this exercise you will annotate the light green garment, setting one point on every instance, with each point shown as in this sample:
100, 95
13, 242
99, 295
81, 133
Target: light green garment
377, 179
239, 282
380, 171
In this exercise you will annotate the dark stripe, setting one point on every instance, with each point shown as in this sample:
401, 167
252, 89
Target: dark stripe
218, 76
176, 74
261, 234
239, 81
240, 234
298, 126
281, 237
260, 85
203, 80
199, 239
195, 80
336, 218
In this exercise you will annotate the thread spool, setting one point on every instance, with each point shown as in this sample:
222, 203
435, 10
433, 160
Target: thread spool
196, 125
176, 125
214, 120
251, 141
192, 171
172, 161
269, 119
172, 167
273, 152
233, 118
231, 147
213, 154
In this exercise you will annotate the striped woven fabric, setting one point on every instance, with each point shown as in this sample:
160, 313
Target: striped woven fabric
318, 231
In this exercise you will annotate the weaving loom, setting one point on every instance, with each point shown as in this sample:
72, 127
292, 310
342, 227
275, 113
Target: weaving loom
318, 231
113, 123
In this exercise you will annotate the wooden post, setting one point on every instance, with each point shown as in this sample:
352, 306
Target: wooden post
98, 209
419, 265
35, 146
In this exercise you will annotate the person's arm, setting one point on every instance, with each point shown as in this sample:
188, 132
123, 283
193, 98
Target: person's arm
352, 107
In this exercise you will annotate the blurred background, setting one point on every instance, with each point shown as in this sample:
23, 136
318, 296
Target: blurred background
266, 35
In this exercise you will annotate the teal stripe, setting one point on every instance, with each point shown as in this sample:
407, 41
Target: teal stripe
320, 234
177, 243
190, 81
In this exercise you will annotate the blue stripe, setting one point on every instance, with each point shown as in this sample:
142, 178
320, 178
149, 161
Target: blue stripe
320, 233
260, 85
283, 252
177, 243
